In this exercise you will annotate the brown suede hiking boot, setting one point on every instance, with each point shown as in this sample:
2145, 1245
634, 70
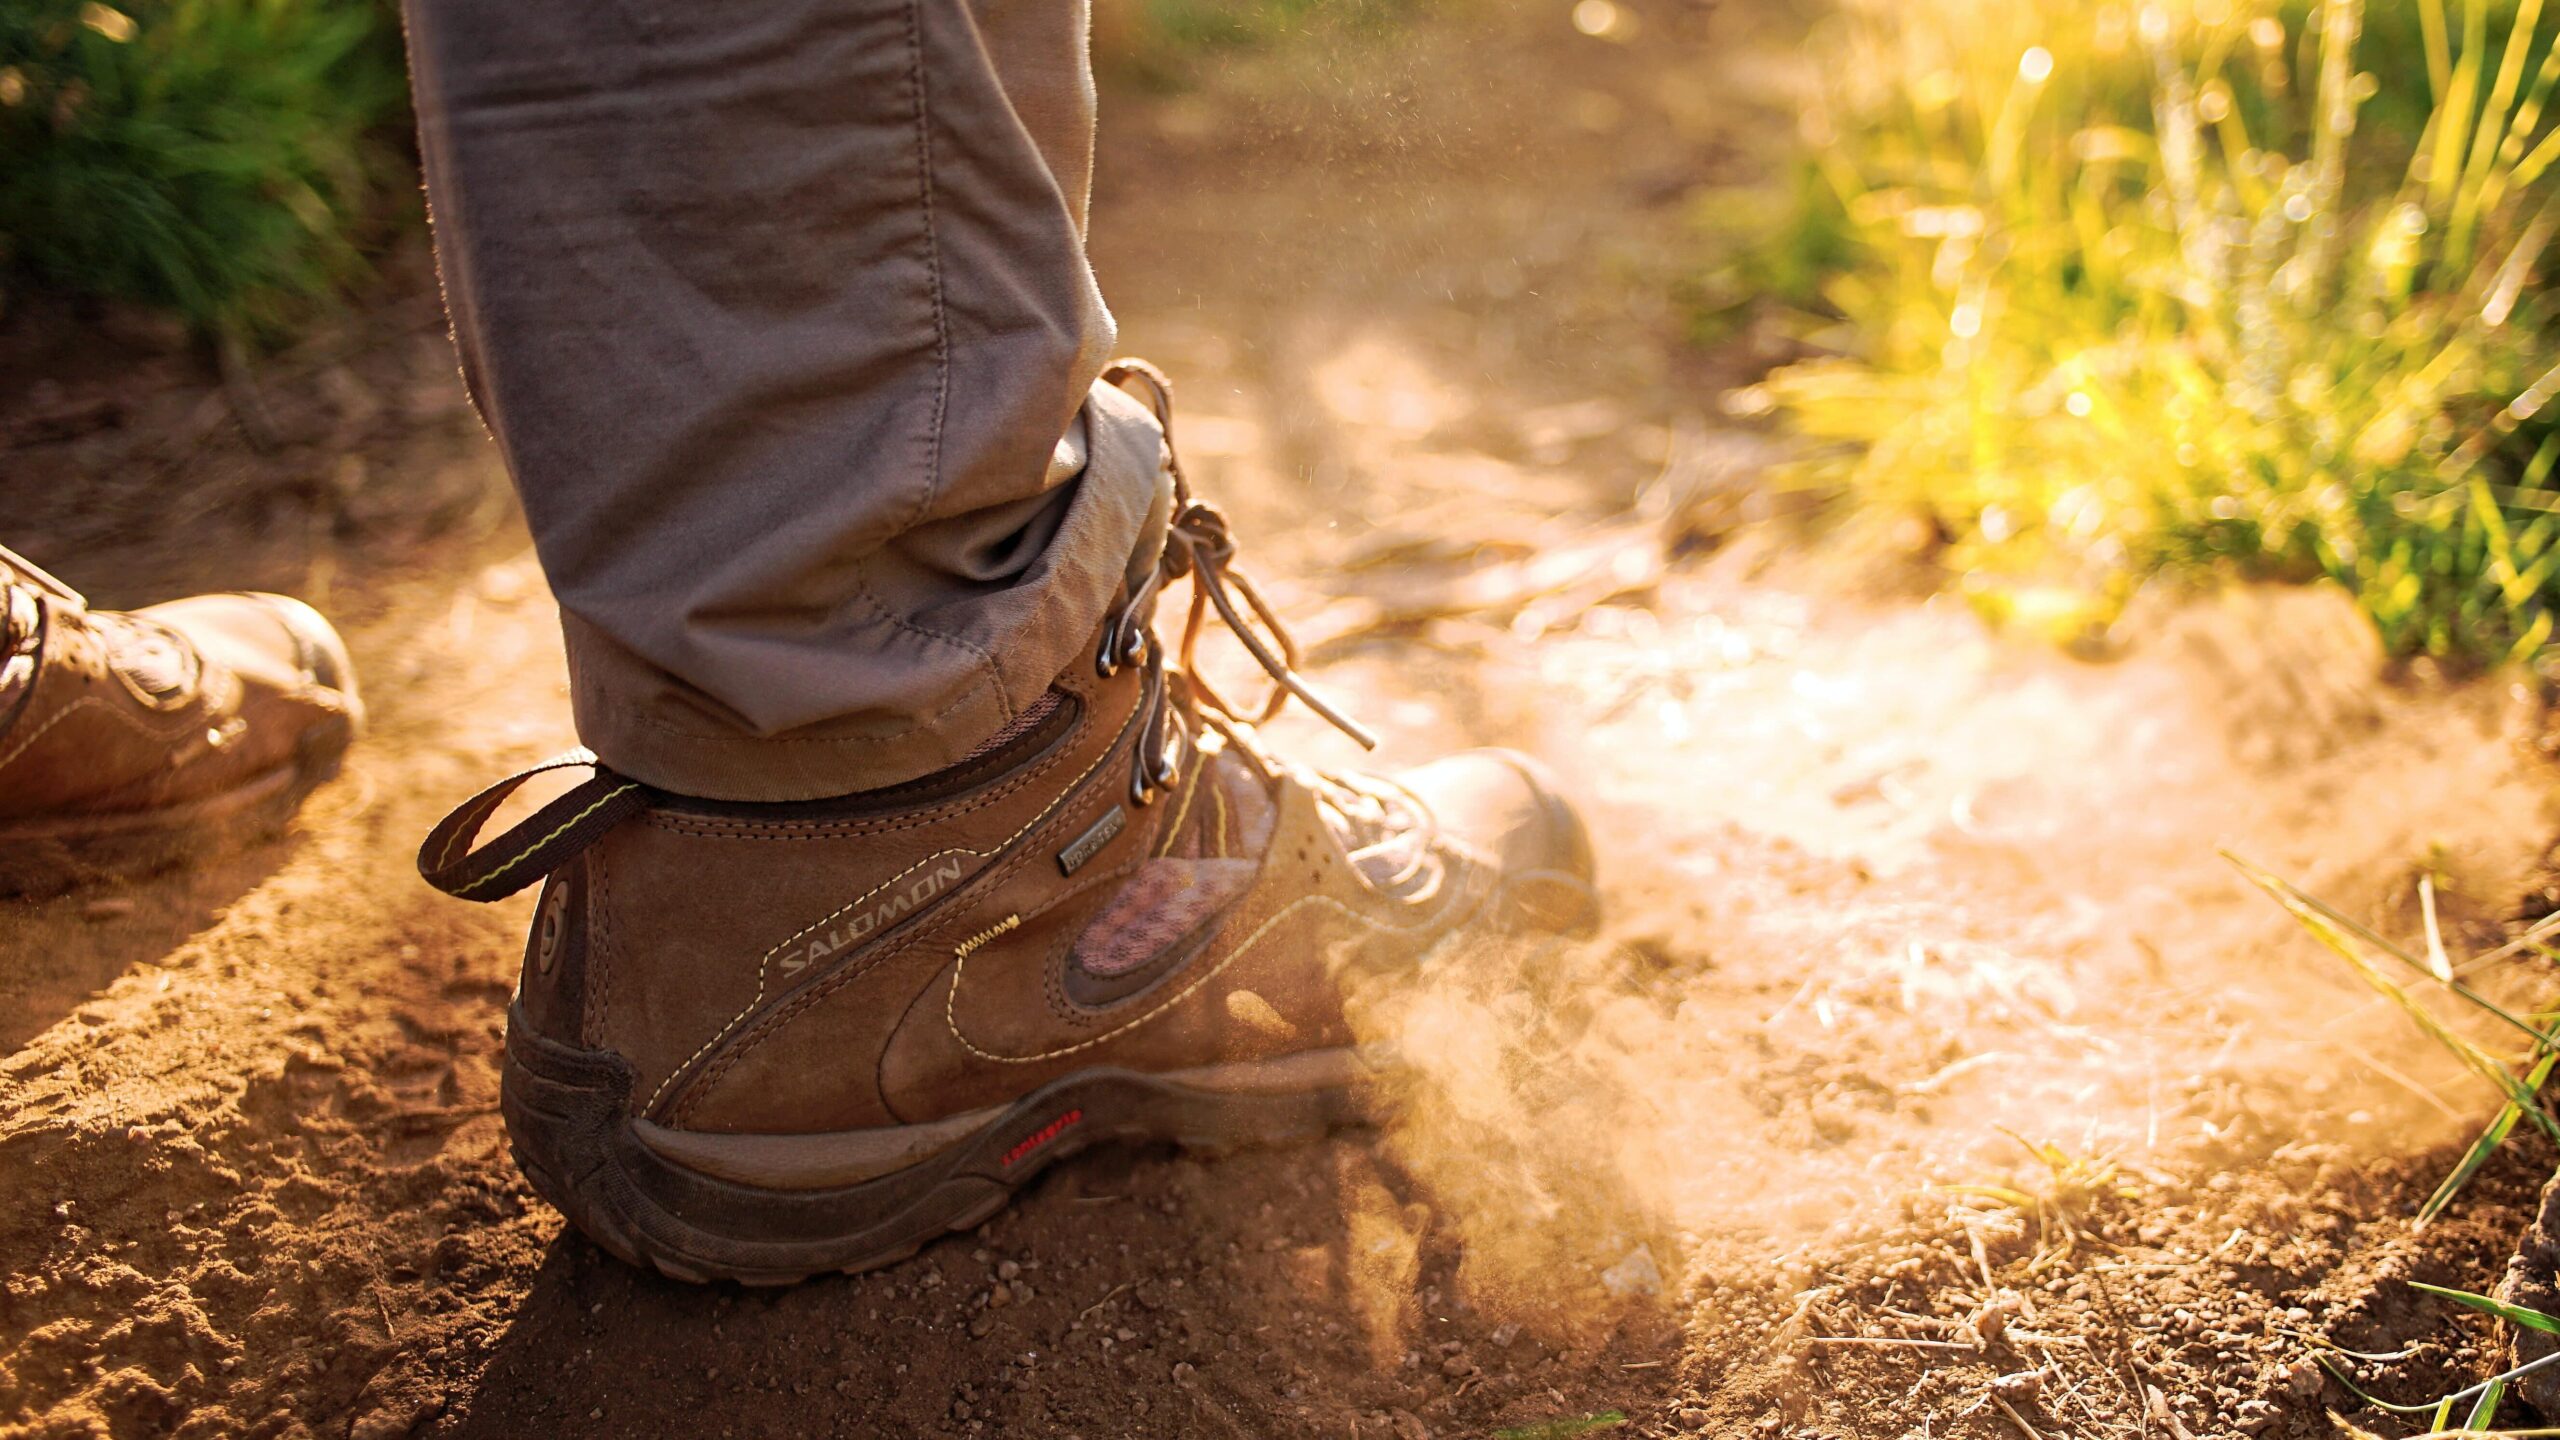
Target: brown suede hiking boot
132, 741
759, 1041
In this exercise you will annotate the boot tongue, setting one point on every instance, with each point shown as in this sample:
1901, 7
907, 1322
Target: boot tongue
1209, 862
1214, 852
1228, 813
1385, 832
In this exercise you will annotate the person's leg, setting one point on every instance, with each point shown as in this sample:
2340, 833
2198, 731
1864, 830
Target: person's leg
780, 311
781, 316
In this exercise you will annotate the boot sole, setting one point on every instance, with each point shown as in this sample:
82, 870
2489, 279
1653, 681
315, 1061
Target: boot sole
567, 1112
45, 858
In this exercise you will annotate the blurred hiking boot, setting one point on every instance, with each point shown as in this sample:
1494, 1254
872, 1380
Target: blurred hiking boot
757, 1041
131, 741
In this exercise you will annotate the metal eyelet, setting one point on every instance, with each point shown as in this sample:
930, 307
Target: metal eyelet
1104, 663
1140, 792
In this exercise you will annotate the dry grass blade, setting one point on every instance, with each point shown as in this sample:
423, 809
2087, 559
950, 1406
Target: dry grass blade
2306, 906
2531, 939
2340, 936
2438, 964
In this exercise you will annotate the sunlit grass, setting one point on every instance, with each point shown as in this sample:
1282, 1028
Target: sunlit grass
2128, 293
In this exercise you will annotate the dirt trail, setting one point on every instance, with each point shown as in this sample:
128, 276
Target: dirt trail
1894, 899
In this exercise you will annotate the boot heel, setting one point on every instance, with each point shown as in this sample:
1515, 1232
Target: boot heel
560, 1105
567, 1113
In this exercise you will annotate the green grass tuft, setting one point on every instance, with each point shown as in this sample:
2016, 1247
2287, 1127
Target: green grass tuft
212, 157
2129, 290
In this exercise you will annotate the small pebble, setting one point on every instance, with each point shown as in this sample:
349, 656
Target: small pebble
2025, 1385
1637, 1274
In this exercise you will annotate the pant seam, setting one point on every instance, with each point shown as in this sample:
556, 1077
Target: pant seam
917, 84
933, 266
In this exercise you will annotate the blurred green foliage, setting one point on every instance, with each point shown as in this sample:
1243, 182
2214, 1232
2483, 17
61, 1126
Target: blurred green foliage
218, 158
2193, 286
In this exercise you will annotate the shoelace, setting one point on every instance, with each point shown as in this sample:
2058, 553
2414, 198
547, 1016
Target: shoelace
1199, 545
17, 569
143, 650
24, 590
1386, 831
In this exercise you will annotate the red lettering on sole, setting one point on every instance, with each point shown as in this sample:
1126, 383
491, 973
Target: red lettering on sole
1041, 1136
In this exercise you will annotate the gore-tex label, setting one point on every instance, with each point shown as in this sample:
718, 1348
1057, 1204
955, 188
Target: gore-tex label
1090, 843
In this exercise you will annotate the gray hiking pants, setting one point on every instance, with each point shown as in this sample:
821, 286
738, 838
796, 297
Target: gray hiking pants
780, 313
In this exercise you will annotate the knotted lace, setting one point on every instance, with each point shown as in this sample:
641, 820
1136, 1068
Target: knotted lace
1199, 546
25, 591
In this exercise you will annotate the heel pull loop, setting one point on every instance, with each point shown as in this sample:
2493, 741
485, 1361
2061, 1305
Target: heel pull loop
541, 843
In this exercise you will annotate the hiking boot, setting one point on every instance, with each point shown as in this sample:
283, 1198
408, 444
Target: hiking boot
130, 741
757, 1041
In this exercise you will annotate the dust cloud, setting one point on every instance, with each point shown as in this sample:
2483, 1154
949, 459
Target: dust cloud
1906, 917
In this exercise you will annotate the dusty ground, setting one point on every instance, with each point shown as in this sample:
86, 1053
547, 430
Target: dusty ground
1934, 1078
